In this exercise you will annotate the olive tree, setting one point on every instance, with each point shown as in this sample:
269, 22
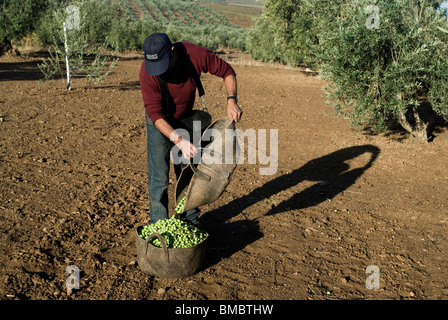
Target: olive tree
383, 61
18, 18
282, 33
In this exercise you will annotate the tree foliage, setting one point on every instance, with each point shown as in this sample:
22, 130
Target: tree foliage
17, 19
114, 25
284, 33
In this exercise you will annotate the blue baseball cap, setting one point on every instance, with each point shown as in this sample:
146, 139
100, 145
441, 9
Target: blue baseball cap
157, 49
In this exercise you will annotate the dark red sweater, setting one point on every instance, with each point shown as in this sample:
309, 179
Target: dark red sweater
183, 91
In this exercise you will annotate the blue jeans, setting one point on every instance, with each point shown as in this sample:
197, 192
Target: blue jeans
158, 152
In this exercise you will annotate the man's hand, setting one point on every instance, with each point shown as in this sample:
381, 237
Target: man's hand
234, 112
188, 149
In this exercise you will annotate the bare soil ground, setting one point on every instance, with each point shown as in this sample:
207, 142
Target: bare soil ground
73, 182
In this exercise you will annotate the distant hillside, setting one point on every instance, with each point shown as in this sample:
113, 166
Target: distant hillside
177, 12
237, 12
187, 20
253, 3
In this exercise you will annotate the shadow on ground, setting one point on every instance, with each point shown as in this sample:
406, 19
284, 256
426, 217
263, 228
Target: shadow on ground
20, 71
332, 176
437, 124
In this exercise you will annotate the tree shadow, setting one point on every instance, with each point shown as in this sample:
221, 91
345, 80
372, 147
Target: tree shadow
29, 71
20, 71
122, 86
332, 176
437, 125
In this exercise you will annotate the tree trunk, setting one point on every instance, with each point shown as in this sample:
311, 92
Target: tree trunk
413, 123
6, 46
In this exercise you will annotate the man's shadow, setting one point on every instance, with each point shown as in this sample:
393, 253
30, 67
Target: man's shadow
332, 176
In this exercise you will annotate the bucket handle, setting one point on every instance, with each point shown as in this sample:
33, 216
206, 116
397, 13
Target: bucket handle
199, 173
162, 242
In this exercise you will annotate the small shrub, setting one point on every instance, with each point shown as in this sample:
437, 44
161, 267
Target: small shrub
86, 44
